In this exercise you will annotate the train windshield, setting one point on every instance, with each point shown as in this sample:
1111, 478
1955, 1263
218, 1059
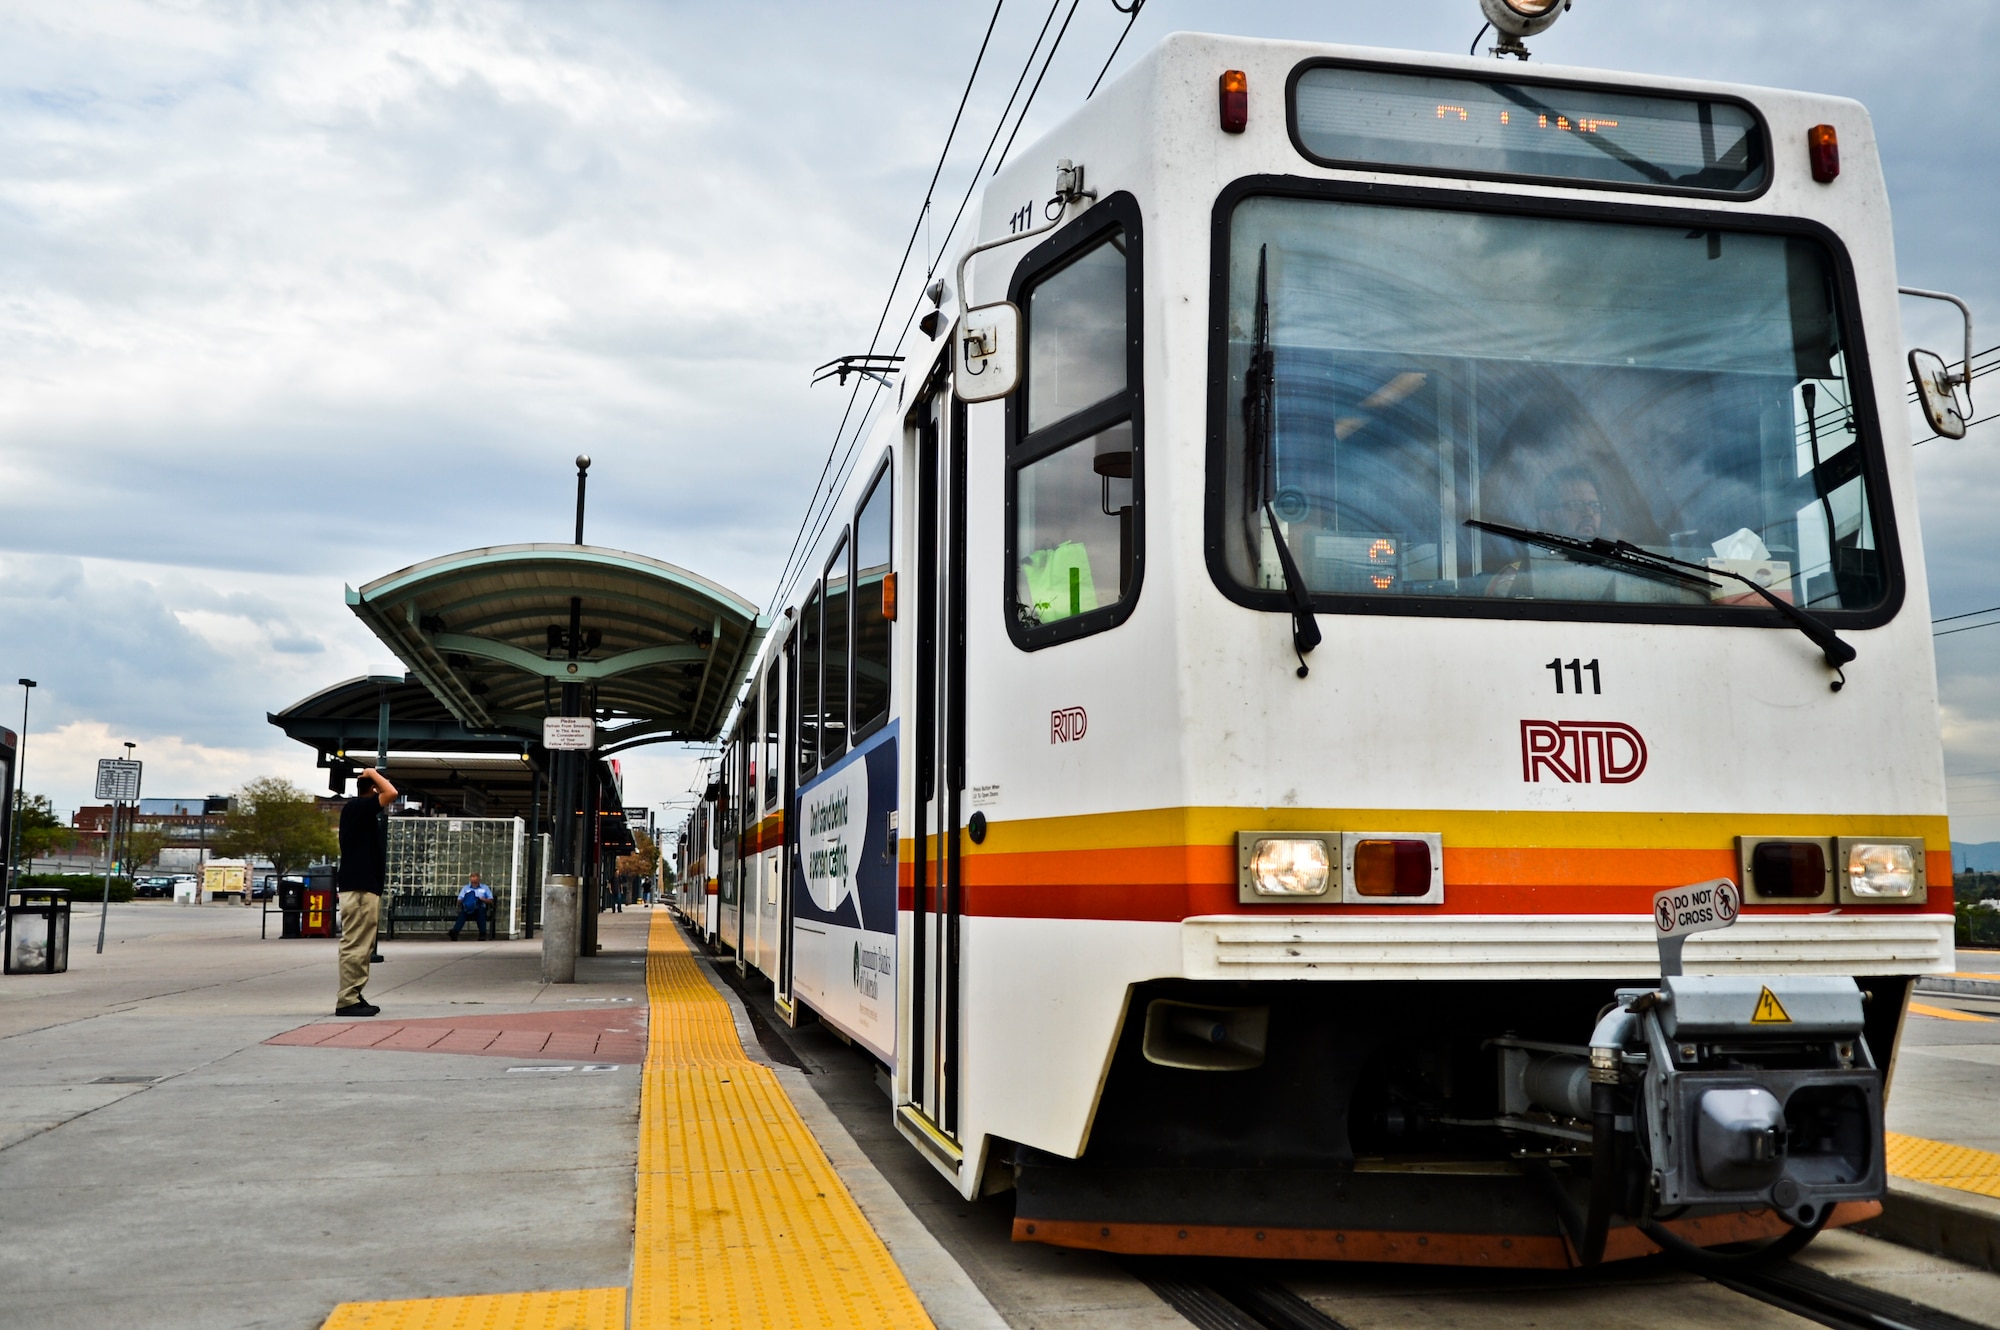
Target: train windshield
1396, 372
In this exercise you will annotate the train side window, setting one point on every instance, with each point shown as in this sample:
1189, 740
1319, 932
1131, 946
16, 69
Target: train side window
1075, 475
874, 592
770, 723
833, 692
809, 686
753, 756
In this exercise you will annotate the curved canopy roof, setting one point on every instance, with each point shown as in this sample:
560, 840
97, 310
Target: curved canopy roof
662, 654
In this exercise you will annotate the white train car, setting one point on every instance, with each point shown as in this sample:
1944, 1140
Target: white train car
1434, 506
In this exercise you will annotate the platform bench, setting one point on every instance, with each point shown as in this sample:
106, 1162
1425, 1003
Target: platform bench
418, 909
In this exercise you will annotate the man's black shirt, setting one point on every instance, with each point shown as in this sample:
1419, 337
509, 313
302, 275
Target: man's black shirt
363, 851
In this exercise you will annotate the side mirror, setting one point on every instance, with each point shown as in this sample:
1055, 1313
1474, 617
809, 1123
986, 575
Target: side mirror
1935, 393
988, 353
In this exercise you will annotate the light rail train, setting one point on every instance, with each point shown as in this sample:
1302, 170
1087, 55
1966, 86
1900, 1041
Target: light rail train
1383, 520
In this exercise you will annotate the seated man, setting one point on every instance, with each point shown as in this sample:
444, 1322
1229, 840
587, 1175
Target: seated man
1568, 506
475, 902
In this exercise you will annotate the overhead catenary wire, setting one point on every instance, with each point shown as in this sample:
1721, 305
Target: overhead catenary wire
1132, 16
820, 511
881, 321
815, 519
1023, 117
1971, 627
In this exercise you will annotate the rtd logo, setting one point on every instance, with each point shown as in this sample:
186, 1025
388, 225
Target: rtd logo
1580, 752
1068, 725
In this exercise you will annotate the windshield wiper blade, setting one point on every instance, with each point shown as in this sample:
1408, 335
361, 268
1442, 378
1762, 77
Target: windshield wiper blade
1260, 387
1305, 628
1624, 555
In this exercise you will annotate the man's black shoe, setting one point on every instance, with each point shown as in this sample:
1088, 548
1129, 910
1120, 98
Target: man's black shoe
357, 1009
376, 959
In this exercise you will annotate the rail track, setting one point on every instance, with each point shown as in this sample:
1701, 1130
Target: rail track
1233, 1297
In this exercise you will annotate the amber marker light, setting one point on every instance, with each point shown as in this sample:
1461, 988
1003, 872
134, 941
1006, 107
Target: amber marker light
1823, 151
889, 597
1234, 89
1392, 868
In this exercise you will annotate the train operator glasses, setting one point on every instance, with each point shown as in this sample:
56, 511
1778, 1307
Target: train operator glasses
1396, 373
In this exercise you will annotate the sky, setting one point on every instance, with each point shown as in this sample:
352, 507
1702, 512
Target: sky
294, 295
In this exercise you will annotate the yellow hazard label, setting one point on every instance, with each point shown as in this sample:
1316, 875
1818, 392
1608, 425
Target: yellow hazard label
1769, 1011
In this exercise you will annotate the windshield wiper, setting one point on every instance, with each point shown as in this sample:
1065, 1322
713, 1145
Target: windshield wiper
1260, 386
1627, 557
1305, 628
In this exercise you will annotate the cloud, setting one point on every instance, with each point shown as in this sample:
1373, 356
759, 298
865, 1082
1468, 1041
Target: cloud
66, 757
295, 295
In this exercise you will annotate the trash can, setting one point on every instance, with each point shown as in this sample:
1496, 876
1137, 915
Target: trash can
316, 910
37, 930
291, 905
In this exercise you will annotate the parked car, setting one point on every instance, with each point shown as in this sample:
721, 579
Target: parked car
154, 887
267, 888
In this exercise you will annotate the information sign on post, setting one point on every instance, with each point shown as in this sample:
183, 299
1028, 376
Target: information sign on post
118, 779
1679, 912
569, 733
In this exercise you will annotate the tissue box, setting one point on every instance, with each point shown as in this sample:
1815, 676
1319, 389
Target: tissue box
1774, 575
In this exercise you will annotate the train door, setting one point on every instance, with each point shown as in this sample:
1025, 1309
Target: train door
729, 921
771, 837
937, 755
786, 768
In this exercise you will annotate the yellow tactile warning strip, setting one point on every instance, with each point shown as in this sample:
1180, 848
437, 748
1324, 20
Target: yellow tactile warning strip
571, 1309
1945, 1013
1942, 1165
742, 1222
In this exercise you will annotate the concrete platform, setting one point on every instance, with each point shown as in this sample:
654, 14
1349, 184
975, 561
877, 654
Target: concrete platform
164, 1166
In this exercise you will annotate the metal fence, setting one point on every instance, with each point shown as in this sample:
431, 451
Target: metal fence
430, 858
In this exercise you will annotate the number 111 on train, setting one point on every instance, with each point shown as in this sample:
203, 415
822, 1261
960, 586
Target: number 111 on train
1577, 669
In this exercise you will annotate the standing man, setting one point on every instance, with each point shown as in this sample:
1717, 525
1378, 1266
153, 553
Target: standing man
475, 902
364, 862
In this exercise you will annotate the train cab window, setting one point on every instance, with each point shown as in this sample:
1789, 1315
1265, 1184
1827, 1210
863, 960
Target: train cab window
809, 640
873, 593
1390, 376
833, 692
1075, 477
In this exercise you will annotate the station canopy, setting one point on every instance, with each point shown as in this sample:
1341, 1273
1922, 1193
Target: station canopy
662, 652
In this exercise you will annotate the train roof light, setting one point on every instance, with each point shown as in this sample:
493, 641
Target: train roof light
1823, 151
1515, 19
1233, 90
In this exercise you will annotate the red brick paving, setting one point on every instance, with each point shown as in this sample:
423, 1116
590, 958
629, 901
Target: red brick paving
615, 1034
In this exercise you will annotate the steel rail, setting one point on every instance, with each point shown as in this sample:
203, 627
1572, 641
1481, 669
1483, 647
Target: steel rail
1224, 1302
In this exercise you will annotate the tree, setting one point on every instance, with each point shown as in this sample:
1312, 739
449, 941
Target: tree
140, 846
276, 819
644, 859
40, 831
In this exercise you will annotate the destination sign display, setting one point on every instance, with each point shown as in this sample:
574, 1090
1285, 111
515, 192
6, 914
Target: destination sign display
1494, 127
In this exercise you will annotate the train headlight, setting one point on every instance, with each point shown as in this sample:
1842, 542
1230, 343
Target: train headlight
1286, 866
1881, 871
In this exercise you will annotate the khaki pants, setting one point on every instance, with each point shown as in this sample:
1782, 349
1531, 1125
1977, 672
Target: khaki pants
360, 911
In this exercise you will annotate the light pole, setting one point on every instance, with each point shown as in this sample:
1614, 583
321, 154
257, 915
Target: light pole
130, 817
20, 777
